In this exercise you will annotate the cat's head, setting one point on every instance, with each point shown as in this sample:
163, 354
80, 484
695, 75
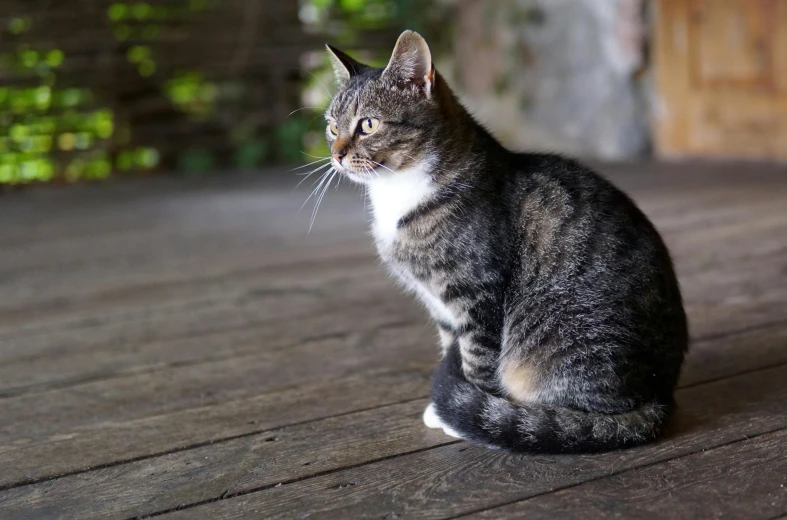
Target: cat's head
383, 120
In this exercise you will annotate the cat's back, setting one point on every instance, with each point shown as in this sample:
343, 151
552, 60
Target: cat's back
561, 175
574, 228
558, 192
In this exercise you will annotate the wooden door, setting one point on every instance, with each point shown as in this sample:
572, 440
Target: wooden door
721, 69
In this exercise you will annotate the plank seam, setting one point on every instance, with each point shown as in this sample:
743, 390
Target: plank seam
42, 388
12, 392
28, 482
226, 495
617, 473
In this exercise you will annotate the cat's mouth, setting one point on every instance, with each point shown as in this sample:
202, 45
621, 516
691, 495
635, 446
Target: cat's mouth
361, 170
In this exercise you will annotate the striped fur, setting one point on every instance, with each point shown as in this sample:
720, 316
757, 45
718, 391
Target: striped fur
559, 312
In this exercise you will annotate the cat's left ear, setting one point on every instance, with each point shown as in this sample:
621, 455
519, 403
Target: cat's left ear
411, 63
343, 65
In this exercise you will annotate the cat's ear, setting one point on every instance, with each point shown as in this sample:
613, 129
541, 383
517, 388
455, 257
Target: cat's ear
344, 66
411, 62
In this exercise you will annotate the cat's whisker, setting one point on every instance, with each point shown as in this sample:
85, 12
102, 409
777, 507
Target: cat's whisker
319, 199
310, 174
312, 156
315, 182
299, 109
309, 164
319, 183
382, 166
369, 171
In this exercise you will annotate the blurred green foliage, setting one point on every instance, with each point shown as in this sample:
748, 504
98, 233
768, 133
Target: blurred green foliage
53, 131
49, 132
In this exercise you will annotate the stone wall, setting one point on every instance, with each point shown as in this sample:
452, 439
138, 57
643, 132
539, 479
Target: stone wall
557, 75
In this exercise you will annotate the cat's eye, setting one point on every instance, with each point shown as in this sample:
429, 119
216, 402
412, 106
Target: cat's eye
369, 125
333, 128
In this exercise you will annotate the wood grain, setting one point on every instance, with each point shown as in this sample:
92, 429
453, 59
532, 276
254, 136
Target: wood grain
147, 326
450, 479
204, 331
740, 480
39, 452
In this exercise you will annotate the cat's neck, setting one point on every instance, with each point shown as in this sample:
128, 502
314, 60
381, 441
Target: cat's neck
394, 196
464, 155
466, 147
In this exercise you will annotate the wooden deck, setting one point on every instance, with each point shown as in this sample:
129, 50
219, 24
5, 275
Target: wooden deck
185, 349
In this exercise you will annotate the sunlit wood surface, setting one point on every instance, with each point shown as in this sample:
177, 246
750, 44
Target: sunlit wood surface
184, 348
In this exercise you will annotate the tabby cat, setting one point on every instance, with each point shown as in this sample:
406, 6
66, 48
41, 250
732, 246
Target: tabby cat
558, 310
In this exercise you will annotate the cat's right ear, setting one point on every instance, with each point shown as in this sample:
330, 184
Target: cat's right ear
411, 63
344, 66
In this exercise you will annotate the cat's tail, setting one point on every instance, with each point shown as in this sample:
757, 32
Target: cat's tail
465, 411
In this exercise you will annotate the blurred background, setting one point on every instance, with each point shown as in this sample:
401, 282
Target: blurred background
97, 89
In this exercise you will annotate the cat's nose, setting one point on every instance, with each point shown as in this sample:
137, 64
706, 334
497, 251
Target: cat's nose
338, 157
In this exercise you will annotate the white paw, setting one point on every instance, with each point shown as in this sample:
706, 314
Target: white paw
431, 420
451, 432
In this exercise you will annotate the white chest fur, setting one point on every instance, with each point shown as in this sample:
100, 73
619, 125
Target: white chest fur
392, 197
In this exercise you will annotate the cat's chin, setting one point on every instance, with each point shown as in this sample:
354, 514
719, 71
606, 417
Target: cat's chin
360, 178
365, 177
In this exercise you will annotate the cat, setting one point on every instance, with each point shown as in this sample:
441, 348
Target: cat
559, 314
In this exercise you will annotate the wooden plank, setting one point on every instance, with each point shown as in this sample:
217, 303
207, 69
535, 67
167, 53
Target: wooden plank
150, 335
32, 319
164, 260
224, 274
741, 480
48, 230
199, 219
209, 224
214, 334
41, 451
739, 295
129, 399
226, 233
454, 479
232, 316
216, 287
745, 351
34, 417
243, 323
121, 442
279, 472
93, 286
